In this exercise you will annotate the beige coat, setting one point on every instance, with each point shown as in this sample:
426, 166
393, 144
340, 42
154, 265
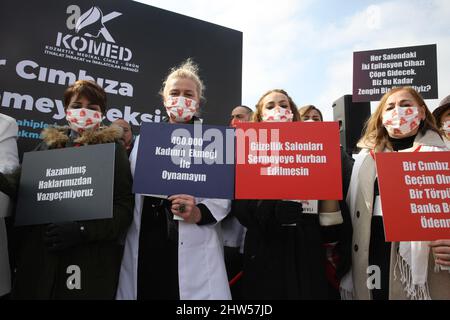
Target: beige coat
360, 199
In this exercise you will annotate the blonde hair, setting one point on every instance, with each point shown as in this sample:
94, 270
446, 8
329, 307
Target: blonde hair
375, 136
188, 69
259, 106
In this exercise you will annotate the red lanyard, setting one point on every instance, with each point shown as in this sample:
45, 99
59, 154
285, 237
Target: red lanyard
372, 153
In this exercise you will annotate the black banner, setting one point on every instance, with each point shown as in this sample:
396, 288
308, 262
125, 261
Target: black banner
62, 185
376, 72
125, 46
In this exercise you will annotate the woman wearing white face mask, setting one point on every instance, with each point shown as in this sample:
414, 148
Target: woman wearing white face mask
45, 252
409, 270
284, 257
167, 259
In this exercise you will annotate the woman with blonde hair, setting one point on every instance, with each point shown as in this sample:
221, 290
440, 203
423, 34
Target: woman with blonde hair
174, 249
284, 257
401, 123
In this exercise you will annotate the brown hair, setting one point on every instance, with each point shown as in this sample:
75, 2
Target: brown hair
306, 109
439, 112
259, 106
376, 136
87, 89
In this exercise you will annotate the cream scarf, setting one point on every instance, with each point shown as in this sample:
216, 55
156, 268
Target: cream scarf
412, 262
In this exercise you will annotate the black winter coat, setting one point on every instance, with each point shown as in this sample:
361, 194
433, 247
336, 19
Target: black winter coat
288, 262
281, 262
41, 274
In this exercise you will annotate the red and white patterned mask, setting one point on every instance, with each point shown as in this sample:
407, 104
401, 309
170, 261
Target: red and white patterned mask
180, 109
277, 115
83, 119
401, 120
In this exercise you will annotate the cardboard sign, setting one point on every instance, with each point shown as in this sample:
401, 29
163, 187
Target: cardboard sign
297, 160
377, 72
415, 195
62, 185
185, 159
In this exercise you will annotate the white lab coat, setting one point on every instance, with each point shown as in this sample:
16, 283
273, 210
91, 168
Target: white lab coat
8, 162
201, 267
233, 233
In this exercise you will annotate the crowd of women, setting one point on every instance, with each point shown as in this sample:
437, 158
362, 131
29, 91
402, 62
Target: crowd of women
173, 248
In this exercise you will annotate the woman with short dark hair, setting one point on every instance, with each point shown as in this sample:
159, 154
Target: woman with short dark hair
45, 253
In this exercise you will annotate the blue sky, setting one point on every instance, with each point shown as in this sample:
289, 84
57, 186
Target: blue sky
306, 46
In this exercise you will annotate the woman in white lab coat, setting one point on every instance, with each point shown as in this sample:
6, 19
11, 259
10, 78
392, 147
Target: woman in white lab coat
166, 258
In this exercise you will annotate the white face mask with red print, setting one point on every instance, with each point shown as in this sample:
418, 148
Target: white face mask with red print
180, 109
401, 120
81, 120
277, 114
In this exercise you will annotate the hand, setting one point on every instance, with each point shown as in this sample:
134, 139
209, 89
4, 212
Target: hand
61, 236
184, 206
441, 252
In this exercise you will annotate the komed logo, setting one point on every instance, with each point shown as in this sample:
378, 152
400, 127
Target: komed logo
87, 41
92, 23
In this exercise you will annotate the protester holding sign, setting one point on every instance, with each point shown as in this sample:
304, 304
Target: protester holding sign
442, 117
283, 253
338, 254
8, 162
167, 257
402, 122
77, 259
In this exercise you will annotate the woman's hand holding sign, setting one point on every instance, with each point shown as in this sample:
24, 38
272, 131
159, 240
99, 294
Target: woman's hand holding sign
184, 206
441, 252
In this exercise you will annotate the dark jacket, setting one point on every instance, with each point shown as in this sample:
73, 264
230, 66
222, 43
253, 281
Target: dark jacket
288, 262
344, 246
281, 262
41, 274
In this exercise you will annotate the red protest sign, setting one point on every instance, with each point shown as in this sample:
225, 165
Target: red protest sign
296, 160
415, 195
